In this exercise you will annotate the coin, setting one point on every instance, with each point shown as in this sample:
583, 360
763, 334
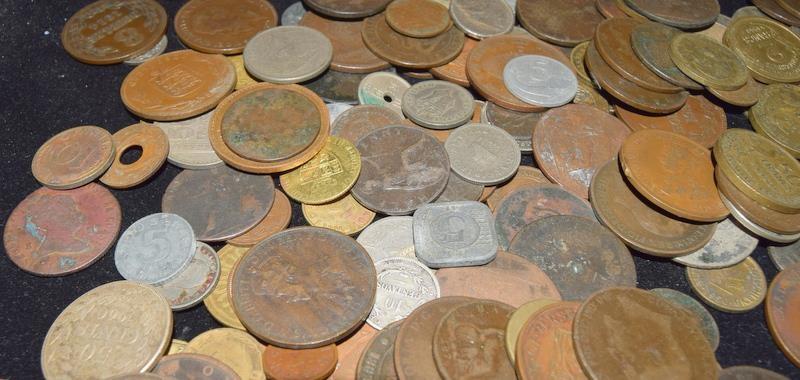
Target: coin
223, 27
189, 147
287, 54
195, 282
438, 104
121, 306
510, 284
235, 348
293, 14
401, 169
243, 78
176, 346
111, 31
770, 60
545, 344
757, 229
717, 30
540, 80
154, 146
327, 176
311, 363
337, 108
277, 219
344, 215
456, 70
403, 285
707, 323
410, 52
783, 256
781, 309
708, 62
218, 301
420, 19
517, 319
458, 189
576, 57
684, 14
483, 154
587, 94
155, 248
734, 289
481, 19
454, 234
347, 9
526, 176
729, 245
743, 97
650, 42
779, 10
518, 124
350, 54
389, 237
621, 4
349, 351
562, 23
73, 158
609, 8
748, 372
192, 366
623, 333
336, 86
383, 89
377, 360
776, 113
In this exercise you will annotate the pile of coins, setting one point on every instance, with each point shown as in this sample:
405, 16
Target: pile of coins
477, 266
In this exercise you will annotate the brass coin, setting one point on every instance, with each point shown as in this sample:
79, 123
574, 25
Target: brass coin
235, 348
223, 26
243, 78
566, 23
277, 219
708, 62
413, 53
218, 301
73, 157
350, 54
418, 18
734, 289
684, 14
770, 60
377, 360
327, 176
781, 309
518, 319
587, 94
312, 364
344, 215
743, 97
347, 9
456, 70
358, 121
545, 344
780, 10
650, 41
577, 56
155, 147
777, 115
176, 347
193, 366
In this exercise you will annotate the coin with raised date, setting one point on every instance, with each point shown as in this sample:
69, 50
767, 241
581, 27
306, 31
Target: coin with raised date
223, 26
770, 60
545, 344
189, 147
347, 9
707, 323
195, 282
775, 114
729, 246
73, 158
235, 348
377, 360
517, 320
418, 18
541, 81
310, 363
783, 256
350, 54
453, 234
564, 23
409, 52
708, 61
744, 372
483, 154
293, 14
403, 285
781, 309
287, 54
383, 89
650, 42
154, 147
684, 14
357, 121
218, 302
438, 104
327, 176
389, 237
734, 289
194, 366
155, 248
345, 215
481, 19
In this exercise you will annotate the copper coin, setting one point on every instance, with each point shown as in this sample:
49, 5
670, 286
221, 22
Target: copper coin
177, 85
288, 295
277, 219
456, 70
776, 221
416, 74
609, 8
413, 53
223, 26
782, 308
418, 18
347, 9
377, 360
111, 31
488, 58
650, 42
743, 97
627, 333
684, 14
193, 366
470, 342
154, 145
402, 168
336, 86
73, 157
349, 52
518, 124
458, 189
744, 372
698, 119
54, 233
360, 120
349, 351
775, 10
673, 172
219, 203
565, 23
545, 346
312, 363
526, 176
572, 142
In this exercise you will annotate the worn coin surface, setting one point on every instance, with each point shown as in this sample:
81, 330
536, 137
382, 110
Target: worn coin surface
377, 360
734, 289
518, 124
438, 104
753, 212
781, 309
539, 80
349, 351
729, 246
562, 23
456, 70
684, 14
418, 18
347, 9
708, 61
337, 108
235, 348
327, 176
707, 323
189, 147
410, 52
545, 346
650, 42
483, 154
481, 19
194, 366
589, 95
154, 145
787, 12
288, 54
389, 237
783, 256
383, 89
155, 248
577, 58
517, 320
195, 282
350, 54
526, 176
403, 285
310, 363
293, 14
776, 115
218, 302
344, 215
223, 27
770, 60
458, 189
454, 234
73, 158
336, 86
277, 219
749, 372
609, 8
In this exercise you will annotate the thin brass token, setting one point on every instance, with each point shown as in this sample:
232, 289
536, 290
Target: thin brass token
177, 346
73, 157
233, 347
770, 50
344, 215
777, 116
518, 319
587, 94
243, 78
734, 289
218, 301
708, 61
330, 174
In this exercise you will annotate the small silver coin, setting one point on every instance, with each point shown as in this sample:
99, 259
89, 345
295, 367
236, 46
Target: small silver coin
287, 54
518, 124
483, 154
481, 19
195, 282
438, 104
155, 51
729, 246
784, 255
707, 323
189, 147
540, 80
389, 237
458, 189
383, 89
155, 249
454, 234
755, 228
403, 285
293, 14
335, 109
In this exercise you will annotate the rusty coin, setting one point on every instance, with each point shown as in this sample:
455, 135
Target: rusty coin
73, 157
418, 18
776, 221
545, 346
566, 23
358, 121
311, 363
277, 219
782, 308
684, 14
349, 53
349, 351
154, 145
377, 360
409, 52
223, 26
193, 366
347, 9
456, 70
650, 41
735, 289
336, 86
526, 177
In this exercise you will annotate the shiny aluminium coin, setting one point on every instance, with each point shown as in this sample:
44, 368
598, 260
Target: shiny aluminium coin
389, 237
401, 169
708, 62
770, 60
776, 114
748, 372
729, 246
650, 42
336, 86
706, 321
73, 157
349, 351
154, 146
517, 319
673, 172
483, 154
418, 18
540, 80
189, 147
545, 344
243, 78
195, 282
111, 31
561, 23
223, 27
377, 360
136, 309
235, 348
287, 54
193, 366
780, 10
453, 234
735, 289
409, 52
273, 283
757, 229
344, 215
347, 9
456, 70
438, 104
576, 57
327, 176
743, 97
518, 124
609, 8
176, 347
293, 14
218, 302
684, 14
177, 85
526, 176
277, 219
587, 94
403, 285
622, 333
350, 54
312, 363
458, 189
58, 232
784, 256
357, 121
383, 89
481, 19
781, 309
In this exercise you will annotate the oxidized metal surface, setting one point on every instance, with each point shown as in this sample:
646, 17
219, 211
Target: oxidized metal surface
456, 70
347, 8
577, 57
117, 328
609, 8
287, 54
350, 54
545, 347
223, 26
566, 23
337, 108
483, 154
377, 361
729, 245
517, 320
526, 177
194, 366
293, 13
389, 237
743, 97
783, 256
420, 19
777, 115
458, 189
277, 219
218, 301
195, 282
189, 147
782, 309
770, 59
327, 176
587, 94
311, 363
708, 61
409, 52
155, 248
541, 81
734, 289
454, 234
383, 89
344, 215
438, 104
481, 19
155, 148
684, 14
767, 218
237, 349
73, 158
518, 124
336, 86
707, 323
403, 285
755, 228
650, 42
349, 351
744, 372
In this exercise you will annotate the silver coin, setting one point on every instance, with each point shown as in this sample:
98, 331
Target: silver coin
729, 246
155, 51
539, 80
483, 154
383, 89
784, 255
335, 109
293, 14
518, 124
403, 285
287, 54
707, 323
189, 147
438, 104
480, 19
389, 237
458, 189
195, 282
155, 248
454, 234
755, 228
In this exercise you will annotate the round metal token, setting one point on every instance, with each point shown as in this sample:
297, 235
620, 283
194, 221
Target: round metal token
377, 360
483, 154
349, 351
778, 109
526, 176
357, 121
781, 309
237, 349
734, 289
347, 9
545, 344
650, 41
410, 52
73, 157
559, 22
757, 229
403, 285
481, 19
707, 323
218, 302
540, 80
770, 60
154, 145
708, 61
155, 249
327, 176
383, 89
311, 363
750, 212
438, 104
155, 51
458, 189
783, 256
193, 366
517, 124
456, 71
729, 246
743, 97
344, 215
223, 26
195, 282
389, 237
684, 14
336, 86
518, 319
278, 218
287, 54
350, 54
189, 147
418, 18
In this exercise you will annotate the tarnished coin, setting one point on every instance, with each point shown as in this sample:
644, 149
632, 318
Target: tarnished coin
708, 62
223, 27
336, 86
311, 363
383, 89
73, 157
518, 124
628, 11
783, 256
781, 309
344, 215
350, 54
235, 348
517, 320
526, 176
539, 80
176, 346
729, 246
743, 97
287, 54
177, 85
650, 42
418, 18
587, 94
136, 309
287, 294
54, 233
111, 31
293, 14
402, 169
458, 189
777, 114
753, 212
684, 14
155, 248
218, 301
277, 219
562, 23
456, 70
717, 30
189, 147
784, 11
770, 60
336, 108
483, 154
734, 289
347, 9
154, 146
389, 237
410, 52
377, 360
194, 366
757, 229
545, 344
577, 58
454, 234
438, 104
195, 282
403, 285
327, 176
481, 19
243, 78
707, 323
349, 351
609, 8
744, 372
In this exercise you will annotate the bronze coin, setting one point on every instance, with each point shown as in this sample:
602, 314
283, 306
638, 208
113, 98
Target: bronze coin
545, 346
526, 177
177, 85
469, 342
489, 57
312, 363
572, 142
347, 9
410, 52
744, 372
650, 42
360, 120
111, 31
58, 232
219, 203
349, 351
775, 10
566, 23
73, 157
765, 217
628, 333
456, 70
609, 8
336, 86
418, 18
350, 54
277, 219
743, 97
223, 26
402, 168
783, 311
518, 124
684, 14
289, 295
377, 360
416, 74
193, 366
155, 147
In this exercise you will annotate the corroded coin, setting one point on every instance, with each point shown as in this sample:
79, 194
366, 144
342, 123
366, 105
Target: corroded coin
344, 215
707, 323
349, 351
562, 23
483, 154
310, 363
195, 282
293, 13
336, 86
223, 27
481, 19
377, 360
356, 122
389, 237
383, 89
403, 285
235, 348
438, 104
277, 219
194, 366
743, 97
458, 189
777, 114
526, 176
54, 233
409, 52
517, 320
734, 289
744, 372
218, 301
456, 70
73, 157
189, 147
418, 18
155, 248
518, 124
752, 211
154, 145
770, 60
708, 62
650, 42
729, 246
454, 234
349, 53
287, 54
243, 78
327, 176
540, 80
781, 309
784, 256
121, 306
684, 14
347, 9
587, 94
545, 344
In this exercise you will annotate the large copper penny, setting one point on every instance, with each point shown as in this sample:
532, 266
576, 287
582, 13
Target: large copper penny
377, 360
312, 363
277, 219
111, 31
73, 157
223, 26
349, 52
360, 120
456, 70
743, 97
765, 217
53, 233
289, 294
409, 52
194, 366
650, 41
418, 18
177, 85
565, 23
684, 14
155, 147
526, 177
349, 351
783, 311
627, 333
545, 346
347, 9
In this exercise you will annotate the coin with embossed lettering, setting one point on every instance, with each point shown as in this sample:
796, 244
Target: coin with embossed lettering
729, 246
734, 289
483, 154
707, 323
458, 189
195, 282
481, 19
287, 54
783, 256
345, 215
389, 237
293, 14
223, 26
684, 14
194, 366
453, 234
347, 9
776, 114
189, 147
770, 59
744, 372
154, 146
383, 89
518, 124
545, 346
235, 348
564, 23
327, 176
73, 158
539, 80
377, 360
310, 363
708, 61
350, 54
155, 248
403, 285
218, 302
410, 52
782, 311
418, 18
438, 104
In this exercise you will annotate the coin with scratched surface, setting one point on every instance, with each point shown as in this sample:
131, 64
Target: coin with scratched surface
155, 248
784, 256
564, 23
770, 60
750, 212
350, 54
453, 234
517, 319
389, 237
277, 219
194, 366
483, 154
235, 348
650, 42
684, 14
383, 89
403, 285
782, 308
729, 246
293, 13
73, 157
345, 215
733, 289
481, 19
377, 360
526, 177
707, 323
708, 61
195, 282
541, 81
744, 372
347, 9
218, 302
356, 122
154, 145
312, 363
545, 344
777, 114
327, 176
418, 18
189, 147
518, 124
223, 26
438, 104
287, 54
81, 343
409, 52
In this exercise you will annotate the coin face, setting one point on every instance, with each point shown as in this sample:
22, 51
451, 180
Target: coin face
707, 323
458, 189
327, 176
545, 343
349, 54
347, 9
195, 282
277, 219
729, 245
235, 348
562, 23
776, 113
194, 366
540, 80
733, 289
770, 60
344, 215
748, 372
189, 147
154, 145
784, 256
155, 248
403, 285
360, 120
349, 351
223, 27
409, 52
58, 232
708, 62
336, 86
218, 302
137, 309
454, 234
456, 71
481, 19
383, 89
483, 154
526, 177
420, 19
389, 237
73, 157
377, 360
518, 124
684, 14
518, 319
781, 309
288, 54
650, 42
312, 363
743, 97
438, 104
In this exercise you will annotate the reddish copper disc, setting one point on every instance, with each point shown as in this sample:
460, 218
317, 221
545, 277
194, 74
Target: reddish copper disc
349, 351
545, 347
783, 311
418, 18
456, 70
609, 8
350, 54
223, 26
312, 364
768, 218
561, 22
155, 147
410, 52
276, 220
73, 157
193, 366
526, 177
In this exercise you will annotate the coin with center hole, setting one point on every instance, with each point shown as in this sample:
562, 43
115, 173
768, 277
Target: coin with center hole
154, 147
383, 89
